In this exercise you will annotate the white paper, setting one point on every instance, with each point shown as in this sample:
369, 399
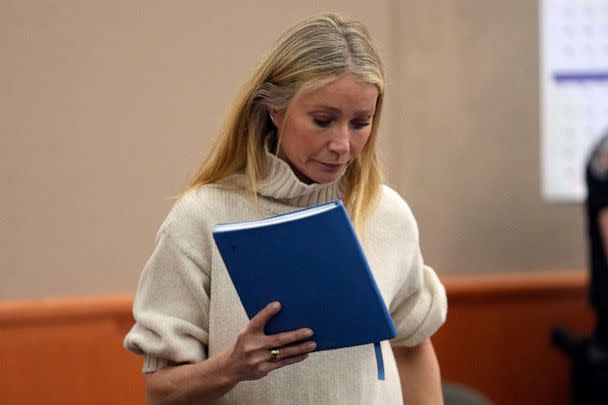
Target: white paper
574, 92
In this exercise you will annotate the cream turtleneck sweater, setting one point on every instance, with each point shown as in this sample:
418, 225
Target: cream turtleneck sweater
186, 308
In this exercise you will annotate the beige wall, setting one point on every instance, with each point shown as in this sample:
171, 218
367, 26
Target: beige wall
106, 108
469, 119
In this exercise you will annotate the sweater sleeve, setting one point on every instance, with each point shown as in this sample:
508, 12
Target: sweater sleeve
419, 304
170, 308
420, 307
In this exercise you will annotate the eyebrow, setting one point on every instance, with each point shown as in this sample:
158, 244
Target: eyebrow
334, 110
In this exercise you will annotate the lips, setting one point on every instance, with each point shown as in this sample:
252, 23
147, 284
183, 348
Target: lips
334, 165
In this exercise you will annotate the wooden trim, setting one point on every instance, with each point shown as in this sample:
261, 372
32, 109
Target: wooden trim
529, 284
64, 309
458, 287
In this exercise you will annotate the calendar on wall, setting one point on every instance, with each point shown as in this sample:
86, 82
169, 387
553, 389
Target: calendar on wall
574, 92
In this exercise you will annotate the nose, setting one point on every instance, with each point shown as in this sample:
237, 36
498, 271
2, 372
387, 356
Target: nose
340, 140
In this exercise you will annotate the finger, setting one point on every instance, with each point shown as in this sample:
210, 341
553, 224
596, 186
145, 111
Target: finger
295, 350
273, 365
261, 318
263, 356
286, 338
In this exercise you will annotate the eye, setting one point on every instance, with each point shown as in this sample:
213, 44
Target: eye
361, 124
322, 122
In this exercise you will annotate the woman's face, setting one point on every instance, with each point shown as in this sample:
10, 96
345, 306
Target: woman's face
322, 131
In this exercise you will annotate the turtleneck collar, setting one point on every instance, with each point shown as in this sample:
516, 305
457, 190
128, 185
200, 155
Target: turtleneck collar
283, 185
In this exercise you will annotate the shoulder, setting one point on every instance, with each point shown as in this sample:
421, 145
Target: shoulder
393, 212
390, 200
598, 161
196, 212
190, 208
392, 204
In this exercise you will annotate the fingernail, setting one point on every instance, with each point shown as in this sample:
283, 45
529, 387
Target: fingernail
308, 333
311, 345
276, 305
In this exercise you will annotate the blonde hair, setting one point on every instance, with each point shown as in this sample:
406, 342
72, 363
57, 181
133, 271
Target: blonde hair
312, 53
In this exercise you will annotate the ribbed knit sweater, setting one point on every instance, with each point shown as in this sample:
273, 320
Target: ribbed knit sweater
186, 308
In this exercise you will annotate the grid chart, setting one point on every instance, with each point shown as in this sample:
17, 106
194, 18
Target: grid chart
574, 92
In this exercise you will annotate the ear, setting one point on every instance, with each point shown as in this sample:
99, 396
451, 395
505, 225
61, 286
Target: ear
278, 117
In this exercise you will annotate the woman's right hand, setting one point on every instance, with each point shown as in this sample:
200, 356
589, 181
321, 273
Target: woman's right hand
249, 357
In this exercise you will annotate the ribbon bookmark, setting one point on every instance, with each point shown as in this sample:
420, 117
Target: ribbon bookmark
379, 360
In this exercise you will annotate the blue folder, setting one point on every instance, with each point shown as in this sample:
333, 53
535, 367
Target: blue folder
311, 261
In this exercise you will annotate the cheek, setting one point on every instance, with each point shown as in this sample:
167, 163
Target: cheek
301, 145
308, 144
358, 144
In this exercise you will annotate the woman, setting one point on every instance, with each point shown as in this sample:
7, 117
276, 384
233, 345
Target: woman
301, 132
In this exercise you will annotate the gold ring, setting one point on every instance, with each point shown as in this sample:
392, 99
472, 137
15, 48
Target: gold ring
275, 354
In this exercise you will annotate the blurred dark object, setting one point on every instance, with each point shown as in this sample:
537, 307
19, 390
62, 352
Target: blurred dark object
589, 372
459, 394
589, 354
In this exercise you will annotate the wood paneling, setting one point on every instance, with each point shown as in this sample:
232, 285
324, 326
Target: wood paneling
496, 339
68, 351
497, 336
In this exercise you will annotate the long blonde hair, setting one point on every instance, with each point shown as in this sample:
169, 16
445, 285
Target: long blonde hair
310, 54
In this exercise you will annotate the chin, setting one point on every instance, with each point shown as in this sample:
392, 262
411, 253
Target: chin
318, 176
